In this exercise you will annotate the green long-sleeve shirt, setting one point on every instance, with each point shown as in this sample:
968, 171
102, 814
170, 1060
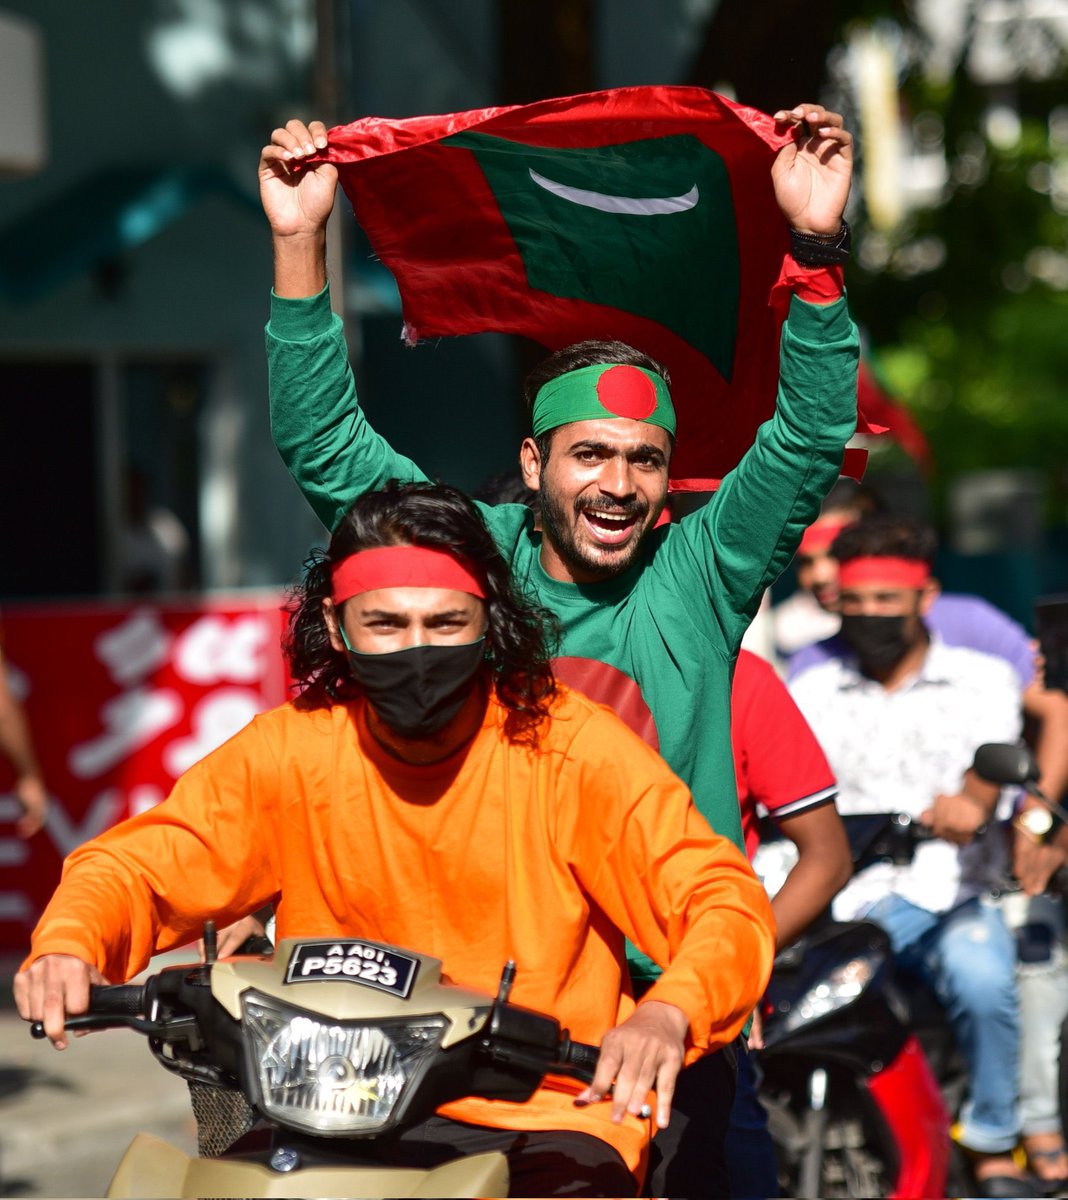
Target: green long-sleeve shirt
672, 624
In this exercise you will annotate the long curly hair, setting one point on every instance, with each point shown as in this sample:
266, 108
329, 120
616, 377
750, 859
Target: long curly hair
441, 517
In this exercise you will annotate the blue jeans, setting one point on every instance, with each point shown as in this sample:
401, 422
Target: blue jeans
1042, 980
968, 957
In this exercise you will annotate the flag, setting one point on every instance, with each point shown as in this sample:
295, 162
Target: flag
644, 214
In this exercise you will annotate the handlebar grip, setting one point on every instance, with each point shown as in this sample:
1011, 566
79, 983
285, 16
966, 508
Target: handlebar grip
582, 1057
105, 1000
116, 1000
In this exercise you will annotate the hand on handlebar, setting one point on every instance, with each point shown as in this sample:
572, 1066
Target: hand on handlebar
234, 936
1034, 863
643, 1053
956, 818
52, 988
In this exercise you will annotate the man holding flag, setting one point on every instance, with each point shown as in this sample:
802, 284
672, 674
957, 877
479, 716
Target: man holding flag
651, 616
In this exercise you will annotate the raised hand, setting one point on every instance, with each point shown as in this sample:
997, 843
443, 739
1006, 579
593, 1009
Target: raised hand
297, 199
812, 173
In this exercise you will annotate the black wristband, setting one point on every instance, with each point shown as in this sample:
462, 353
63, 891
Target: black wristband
821, 249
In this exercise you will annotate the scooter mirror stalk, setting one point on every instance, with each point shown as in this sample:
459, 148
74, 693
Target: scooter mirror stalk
211, 941
504, 988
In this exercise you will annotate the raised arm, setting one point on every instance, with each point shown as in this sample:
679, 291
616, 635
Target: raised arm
297, 201
322, 435
746, 535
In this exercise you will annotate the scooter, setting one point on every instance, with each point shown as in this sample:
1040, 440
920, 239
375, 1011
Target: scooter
297, 1062
853, 1106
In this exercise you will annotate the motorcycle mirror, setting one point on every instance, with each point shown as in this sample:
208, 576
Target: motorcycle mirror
999, 762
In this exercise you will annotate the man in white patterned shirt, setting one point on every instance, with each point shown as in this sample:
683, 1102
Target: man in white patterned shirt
900, 716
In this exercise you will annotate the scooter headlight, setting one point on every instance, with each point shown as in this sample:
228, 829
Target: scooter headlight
837, 989
339, 1077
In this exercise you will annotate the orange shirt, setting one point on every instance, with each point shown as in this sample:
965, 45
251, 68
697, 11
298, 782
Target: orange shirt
548, 857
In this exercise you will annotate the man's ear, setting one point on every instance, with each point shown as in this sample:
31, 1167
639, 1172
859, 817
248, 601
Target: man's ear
332, 628
530, 464
932, 589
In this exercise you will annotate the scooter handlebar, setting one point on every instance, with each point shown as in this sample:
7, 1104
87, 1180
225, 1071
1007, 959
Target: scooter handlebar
117, 1000
106, 1003
581, 1059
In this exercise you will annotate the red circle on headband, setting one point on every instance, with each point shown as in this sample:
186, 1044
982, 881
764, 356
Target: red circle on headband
627, 392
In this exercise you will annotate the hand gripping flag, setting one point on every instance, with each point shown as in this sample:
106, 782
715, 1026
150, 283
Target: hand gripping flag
644, 214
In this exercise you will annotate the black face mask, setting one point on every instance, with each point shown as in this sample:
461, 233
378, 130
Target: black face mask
418, 691
878, 642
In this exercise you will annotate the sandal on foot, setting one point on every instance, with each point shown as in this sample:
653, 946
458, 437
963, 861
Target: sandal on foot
1040, 1162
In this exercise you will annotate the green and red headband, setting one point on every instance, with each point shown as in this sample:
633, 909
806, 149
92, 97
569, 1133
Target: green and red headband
405, 566
885, 571
605, 390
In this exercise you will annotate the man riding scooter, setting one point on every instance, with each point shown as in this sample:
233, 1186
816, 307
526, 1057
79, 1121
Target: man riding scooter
900, 715
431, 786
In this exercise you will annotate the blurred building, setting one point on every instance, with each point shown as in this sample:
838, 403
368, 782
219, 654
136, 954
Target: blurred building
135, 263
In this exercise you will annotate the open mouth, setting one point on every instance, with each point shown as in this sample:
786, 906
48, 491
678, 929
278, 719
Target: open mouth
609, 527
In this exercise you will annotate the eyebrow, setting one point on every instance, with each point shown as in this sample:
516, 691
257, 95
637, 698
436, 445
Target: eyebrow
889, 594
372, 613
604, 448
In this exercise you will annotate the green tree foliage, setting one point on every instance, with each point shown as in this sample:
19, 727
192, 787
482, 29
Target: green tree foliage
966, 306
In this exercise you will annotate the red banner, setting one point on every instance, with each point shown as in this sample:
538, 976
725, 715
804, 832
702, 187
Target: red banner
121, 699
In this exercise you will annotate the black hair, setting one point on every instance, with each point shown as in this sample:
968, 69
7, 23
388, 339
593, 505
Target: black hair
439, 516
884, 535
591, 353
849, 496
506, 487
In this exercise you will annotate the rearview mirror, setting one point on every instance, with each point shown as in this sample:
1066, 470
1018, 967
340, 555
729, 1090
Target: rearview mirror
998, 762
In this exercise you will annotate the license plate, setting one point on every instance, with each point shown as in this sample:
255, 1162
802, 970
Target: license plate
366, 963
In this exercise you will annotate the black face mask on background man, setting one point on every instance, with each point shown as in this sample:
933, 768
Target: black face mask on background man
418, 691
879, 643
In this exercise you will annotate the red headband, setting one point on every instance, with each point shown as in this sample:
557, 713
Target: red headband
405, 566
819, 535
893, 572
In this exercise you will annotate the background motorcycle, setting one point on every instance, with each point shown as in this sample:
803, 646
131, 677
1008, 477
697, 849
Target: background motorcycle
295, 1062
853, 1106
861, 1069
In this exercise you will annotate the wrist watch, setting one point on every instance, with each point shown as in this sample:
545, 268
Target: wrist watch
821, 249
1038, 822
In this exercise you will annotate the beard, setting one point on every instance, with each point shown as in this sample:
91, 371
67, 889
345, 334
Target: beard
603, 560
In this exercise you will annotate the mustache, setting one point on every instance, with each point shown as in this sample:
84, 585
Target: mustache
627, 508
